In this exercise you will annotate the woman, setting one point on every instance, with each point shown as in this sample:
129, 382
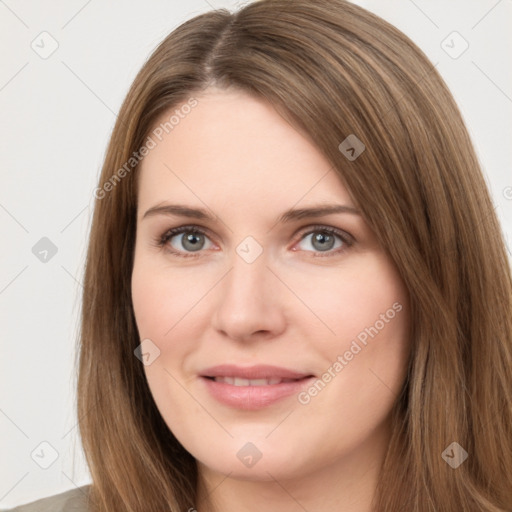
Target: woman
297, 295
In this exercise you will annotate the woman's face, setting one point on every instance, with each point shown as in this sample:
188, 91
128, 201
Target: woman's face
269, 292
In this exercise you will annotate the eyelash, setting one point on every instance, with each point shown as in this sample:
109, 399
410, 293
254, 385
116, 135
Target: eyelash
347, 240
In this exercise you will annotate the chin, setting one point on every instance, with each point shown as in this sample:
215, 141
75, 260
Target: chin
261, 461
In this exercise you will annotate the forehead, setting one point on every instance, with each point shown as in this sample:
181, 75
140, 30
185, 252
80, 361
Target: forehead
231, 146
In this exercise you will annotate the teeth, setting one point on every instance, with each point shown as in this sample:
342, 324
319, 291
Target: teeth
237, 381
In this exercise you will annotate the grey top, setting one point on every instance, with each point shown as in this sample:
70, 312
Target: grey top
74, 500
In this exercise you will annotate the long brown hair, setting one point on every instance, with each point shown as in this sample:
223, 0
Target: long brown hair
333, 70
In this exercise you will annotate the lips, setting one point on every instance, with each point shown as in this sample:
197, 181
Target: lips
253, 373
239, 381
254, 387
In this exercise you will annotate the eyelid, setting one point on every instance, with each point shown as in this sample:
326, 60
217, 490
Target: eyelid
162, 240
344, 235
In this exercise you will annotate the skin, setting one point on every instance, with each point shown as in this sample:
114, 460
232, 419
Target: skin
295, 306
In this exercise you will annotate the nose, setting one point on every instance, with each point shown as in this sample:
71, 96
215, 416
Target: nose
249, 301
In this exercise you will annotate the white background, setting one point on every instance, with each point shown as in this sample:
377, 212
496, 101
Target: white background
57, 115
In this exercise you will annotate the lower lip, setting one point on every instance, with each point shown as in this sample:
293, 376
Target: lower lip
254, 397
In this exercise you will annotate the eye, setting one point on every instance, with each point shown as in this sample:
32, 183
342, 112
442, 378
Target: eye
184, 241
187, 239
324, 239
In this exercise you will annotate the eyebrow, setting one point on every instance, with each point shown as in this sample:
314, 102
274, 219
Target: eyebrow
320, 210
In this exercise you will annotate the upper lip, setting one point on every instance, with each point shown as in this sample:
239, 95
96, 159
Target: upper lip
262, 371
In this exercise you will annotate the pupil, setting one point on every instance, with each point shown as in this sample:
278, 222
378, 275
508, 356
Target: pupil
194, 240
323, 238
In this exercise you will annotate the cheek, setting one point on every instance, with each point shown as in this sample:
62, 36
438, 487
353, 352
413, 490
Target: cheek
158, 309
366, 309
160, 300
363, 295
168, 311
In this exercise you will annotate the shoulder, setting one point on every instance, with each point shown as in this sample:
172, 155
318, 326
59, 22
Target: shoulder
74, 500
